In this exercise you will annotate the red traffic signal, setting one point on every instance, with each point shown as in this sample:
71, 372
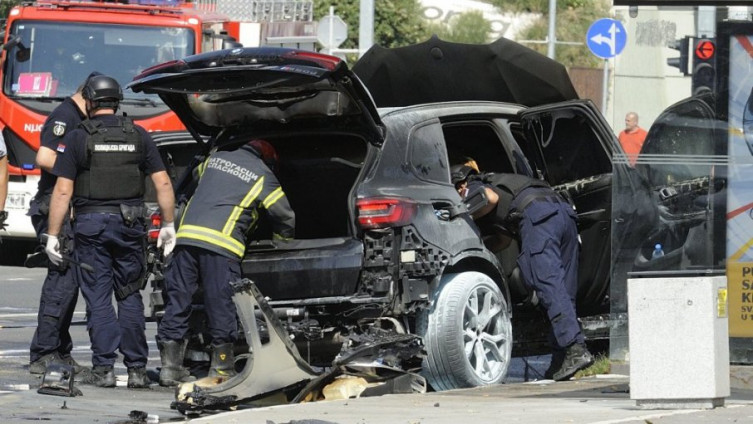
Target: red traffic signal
705, 49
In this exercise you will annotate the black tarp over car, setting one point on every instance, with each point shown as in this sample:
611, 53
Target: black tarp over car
437, 71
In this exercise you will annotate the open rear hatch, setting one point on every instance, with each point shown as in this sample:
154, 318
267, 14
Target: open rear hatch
322, 122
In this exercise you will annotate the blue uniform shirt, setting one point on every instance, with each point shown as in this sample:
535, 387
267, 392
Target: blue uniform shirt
68, 164
63, 119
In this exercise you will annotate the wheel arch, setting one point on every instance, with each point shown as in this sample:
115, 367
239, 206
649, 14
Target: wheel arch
482, 262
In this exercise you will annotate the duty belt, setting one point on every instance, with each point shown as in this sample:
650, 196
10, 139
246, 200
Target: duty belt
96, 209
536, 196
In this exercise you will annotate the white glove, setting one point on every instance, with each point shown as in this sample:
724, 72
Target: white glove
167, 238
53, 250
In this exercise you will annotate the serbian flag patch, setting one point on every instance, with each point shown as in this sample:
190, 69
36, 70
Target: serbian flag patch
61, 148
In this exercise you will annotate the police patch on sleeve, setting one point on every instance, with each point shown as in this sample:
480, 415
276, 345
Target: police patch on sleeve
59, 128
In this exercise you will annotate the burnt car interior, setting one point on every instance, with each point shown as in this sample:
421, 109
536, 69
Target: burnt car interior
317, 173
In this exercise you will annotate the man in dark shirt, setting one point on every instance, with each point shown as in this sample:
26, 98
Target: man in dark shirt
103, 169
52, 339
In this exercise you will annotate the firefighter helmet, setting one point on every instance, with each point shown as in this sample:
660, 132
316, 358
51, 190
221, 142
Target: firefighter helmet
266, 152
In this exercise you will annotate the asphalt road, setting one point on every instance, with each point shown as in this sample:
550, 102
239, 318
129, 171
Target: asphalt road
595, 400
20, 288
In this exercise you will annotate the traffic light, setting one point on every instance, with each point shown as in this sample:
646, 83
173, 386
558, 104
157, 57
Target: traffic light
704, 65
681, 63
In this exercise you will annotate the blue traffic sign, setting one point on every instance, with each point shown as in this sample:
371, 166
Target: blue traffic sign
606, 38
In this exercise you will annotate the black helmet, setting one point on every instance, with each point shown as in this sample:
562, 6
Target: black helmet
102, 87
460, 173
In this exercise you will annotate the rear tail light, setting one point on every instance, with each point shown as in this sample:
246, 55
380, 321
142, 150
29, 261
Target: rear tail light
155, 222
385, 212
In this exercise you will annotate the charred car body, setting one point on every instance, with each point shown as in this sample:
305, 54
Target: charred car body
383, 241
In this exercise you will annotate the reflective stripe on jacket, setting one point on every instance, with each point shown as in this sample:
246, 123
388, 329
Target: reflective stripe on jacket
233, 186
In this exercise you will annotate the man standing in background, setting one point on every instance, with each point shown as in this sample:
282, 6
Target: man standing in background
632, 137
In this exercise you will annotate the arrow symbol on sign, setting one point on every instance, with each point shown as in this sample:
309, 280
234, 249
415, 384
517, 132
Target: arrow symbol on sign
610, 41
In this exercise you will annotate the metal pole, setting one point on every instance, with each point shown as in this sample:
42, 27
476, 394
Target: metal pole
604, 87
365, 27
331, 36
552, 37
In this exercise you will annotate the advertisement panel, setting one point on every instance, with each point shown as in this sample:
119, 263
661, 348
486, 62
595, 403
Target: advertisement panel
737, 42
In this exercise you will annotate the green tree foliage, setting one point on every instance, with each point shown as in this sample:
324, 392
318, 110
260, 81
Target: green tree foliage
469, 27
572, 22
5, 7
396, 22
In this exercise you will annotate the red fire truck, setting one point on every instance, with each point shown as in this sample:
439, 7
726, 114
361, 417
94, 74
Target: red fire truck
49, 49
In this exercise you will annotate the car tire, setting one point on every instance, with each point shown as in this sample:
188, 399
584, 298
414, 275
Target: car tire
467, 333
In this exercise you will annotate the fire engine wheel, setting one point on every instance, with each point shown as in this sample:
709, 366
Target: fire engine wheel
467, 333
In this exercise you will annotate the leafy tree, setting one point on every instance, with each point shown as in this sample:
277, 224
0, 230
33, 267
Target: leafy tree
5, 7
572, 22
396, 22
469, 27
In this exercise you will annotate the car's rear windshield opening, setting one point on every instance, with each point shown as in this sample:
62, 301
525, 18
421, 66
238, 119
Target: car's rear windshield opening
317, 173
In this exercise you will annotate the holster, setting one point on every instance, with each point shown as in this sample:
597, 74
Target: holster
133, 214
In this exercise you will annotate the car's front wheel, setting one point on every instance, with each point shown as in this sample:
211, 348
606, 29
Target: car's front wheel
467, 333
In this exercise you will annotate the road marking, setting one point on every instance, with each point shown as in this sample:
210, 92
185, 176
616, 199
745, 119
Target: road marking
647, 418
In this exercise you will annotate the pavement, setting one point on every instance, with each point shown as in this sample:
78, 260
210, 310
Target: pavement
602, 399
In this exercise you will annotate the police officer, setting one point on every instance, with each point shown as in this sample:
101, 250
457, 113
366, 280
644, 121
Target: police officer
211, 242
545, 223
103, 170
52, 339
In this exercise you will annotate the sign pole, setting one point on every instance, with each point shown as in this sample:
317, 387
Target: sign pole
604, 88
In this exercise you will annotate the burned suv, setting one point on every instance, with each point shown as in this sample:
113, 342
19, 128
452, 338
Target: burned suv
383, 241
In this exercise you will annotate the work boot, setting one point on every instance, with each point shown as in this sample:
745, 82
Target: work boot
558, 356
223, 361
577, 357
100, 376
68, 360
137, 378
40, 365
172, 372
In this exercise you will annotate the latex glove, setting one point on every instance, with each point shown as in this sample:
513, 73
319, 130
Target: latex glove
53, 250
166, 238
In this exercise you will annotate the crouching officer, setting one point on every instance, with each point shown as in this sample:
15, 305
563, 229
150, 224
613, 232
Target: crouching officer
103, 170
211, 242
529, 210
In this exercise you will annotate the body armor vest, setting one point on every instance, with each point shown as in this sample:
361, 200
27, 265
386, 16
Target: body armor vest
510, 186
114, 154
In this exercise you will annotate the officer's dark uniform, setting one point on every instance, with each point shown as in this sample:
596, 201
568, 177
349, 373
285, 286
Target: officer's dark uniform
548, 259
211, 241
108, 159
60, 290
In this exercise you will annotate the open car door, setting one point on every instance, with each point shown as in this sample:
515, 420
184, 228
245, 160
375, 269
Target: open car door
572, 147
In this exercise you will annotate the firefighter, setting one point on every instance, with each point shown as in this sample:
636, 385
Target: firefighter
52, 339
529, 210
103, 170
211, 242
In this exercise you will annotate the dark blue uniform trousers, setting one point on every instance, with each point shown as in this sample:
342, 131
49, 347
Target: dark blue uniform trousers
116, 251
56, 304
549, 263
189, 267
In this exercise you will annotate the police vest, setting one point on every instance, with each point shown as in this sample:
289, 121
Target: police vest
112, 168
225, 206
509, 187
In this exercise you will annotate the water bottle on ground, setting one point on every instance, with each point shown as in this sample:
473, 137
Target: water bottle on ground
658, 251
